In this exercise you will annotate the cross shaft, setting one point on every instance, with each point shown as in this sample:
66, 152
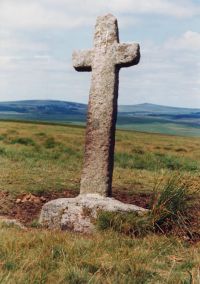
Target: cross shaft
105, 61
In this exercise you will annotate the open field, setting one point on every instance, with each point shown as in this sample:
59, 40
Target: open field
163, 127
46, 161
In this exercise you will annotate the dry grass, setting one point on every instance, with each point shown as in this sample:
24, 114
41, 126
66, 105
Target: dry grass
49, 257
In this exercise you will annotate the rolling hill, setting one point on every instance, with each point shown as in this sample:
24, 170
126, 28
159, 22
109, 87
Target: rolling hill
141, 117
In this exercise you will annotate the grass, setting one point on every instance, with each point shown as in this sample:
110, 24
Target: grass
29, 163
39, 150
163, 127
48, 158
168, 211
39, 256
155, 161
23, 141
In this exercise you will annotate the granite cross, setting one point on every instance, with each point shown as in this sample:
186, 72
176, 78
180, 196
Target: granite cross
105, 61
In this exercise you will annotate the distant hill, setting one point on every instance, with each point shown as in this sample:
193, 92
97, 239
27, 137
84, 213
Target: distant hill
155, 109
62, 107
43, 107
141, 117
171, 113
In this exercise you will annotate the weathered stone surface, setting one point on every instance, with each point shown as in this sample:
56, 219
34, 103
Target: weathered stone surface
105, 61
78, 214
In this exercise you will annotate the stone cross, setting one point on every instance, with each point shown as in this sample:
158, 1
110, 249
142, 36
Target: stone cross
105, 61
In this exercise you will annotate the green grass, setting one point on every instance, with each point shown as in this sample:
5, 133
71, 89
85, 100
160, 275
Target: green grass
39, 256
23, 140
163, 128
155, 161
167, 214
29, 153
48, 158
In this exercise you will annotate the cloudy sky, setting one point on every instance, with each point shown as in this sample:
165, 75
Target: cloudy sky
37, 38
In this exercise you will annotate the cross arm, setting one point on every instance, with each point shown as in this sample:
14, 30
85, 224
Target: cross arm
127, 54
82, 60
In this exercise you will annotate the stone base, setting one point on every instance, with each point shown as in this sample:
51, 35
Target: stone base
78, 214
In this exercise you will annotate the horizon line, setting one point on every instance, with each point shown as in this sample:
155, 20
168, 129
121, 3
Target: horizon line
127, 105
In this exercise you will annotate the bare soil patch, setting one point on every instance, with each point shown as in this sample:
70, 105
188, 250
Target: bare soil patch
139, 199
27, 207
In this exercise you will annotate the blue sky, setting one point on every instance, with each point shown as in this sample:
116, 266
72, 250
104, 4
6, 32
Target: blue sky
37, 38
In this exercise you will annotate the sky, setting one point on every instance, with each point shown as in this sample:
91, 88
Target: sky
37, 38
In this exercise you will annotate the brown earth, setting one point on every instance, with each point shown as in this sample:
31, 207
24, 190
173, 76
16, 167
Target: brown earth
27, 207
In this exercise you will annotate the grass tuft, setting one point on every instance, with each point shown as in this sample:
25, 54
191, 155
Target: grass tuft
76, 276
50, 143
169, 200
23, 141
168, 208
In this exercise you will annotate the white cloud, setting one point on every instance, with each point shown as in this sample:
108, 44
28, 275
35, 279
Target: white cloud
164, 76
164, 7
35, 63
37, 77
189, 41
33, 14
44, 14
13, 44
